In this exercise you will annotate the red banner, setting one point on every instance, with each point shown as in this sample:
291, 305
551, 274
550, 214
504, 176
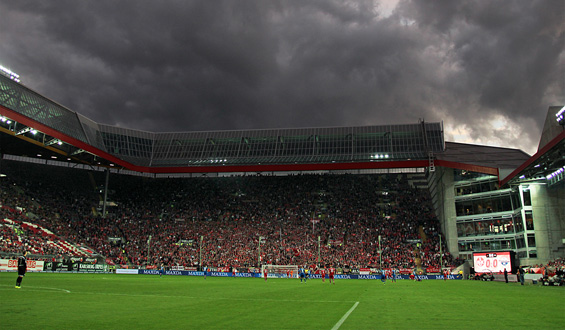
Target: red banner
433, 270
12, 265
365, 271
406, 271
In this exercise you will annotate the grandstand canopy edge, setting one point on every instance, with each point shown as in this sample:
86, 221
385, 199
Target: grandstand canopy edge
547, 160
79, 139
28, 114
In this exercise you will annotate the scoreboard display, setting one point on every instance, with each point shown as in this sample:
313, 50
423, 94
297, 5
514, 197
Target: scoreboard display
495, 262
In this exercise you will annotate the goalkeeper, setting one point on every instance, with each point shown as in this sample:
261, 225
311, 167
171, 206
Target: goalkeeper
22, 269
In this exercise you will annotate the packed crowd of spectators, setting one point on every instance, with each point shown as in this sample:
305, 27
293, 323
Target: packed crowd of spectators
553, 273
227, 221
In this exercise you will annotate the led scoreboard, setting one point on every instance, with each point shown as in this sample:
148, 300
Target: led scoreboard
495, 262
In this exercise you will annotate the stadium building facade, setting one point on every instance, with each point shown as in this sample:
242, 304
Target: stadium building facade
487, 198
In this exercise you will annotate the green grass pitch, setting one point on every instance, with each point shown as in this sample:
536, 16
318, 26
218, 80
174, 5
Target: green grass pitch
110, 301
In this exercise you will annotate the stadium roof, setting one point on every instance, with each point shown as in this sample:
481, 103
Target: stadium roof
34, 118
548, 163
36, 126
494, 157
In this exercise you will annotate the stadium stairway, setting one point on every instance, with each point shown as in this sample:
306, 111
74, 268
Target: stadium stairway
418, 181
422, 233
55, 241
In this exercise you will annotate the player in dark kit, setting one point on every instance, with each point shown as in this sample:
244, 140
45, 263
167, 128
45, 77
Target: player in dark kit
22, 268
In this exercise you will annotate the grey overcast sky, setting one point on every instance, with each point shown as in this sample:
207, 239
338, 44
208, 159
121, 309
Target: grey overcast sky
488, 69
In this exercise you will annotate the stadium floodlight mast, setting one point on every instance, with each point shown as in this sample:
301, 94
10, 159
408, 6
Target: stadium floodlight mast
440, 254
105, 200
261, 238
148, 250
317, 261
380, 254
200, 253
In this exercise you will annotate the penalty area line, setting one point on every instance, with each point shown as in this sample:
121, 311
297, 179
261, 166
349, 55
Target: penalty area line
345, 316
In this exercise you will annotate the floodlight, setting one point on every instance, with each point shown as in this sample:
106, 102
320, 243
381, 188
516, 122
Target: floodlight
10, 74
25, 130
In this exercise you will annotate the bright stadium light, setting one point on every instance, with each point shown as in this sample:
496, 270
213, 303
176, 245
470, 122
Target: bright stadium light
560, 116
25, 130
380, 156
557, 172
10, 74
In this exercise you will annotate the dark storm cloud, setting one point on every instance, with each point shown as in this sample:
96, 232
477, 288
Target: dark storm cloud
212, 65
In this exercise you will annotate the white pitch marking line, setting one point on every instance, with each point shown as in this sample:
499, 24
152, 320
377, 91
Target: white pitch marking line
207, 298
340, 322
57, 289
42, 287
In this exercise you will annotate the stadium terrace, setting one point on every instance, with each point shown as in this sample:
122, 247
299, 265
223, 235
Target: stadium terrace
372, 197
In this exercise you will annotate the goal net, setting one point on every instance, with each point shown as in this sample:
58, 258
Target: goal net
281, 271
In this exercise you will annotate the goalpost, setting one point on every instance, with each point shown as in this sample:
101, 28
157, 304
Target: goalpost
280, 271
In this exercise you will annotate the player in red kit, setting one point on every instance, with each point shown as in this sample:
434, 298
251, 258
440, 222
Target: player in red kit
265, 274
323, 273
331, 274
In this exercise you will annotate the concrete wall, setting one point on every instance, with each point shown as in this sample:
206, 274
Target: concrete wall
548, 207
443, 196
